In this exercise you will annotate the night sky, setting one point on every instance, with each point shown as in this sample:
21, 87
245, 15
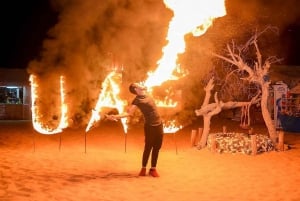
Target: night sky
24, 26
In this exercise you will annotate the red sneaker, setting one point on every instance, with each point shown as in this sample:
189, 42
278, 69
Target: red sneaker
143, 172
153, 172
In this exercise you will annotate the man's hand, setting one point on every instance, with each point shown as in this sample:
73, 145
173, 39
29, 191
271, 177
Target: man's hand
111, 117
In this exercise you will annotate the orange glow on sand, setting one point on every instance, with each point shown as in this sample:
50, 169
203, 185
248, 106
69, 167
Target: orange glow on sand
106, 173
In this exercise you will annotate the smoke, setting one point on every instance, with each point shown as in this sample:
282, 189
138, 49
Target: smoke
92, 36
243, 19
246, 17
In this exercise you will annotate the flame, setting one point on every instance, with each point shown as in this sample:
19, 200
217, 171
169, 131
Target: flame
170, 99
166, 103
190, 16
37, 125
109, 97
171, 127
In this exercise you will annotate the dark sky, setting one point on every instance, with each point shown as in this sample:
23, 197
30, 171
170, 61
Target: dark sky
24, 26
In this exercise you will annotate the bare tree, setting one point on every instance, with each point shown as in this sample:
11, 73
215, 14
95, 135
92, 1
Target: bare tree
258, 73
208, 110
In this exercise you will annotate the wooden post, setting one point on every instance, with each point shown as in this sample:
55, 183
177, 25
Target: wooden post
224, 129
193, 137
199, 135
34, 141
213, 143
59, 146
175, 143
251, 131
253, 144
280, 145
85, 142
125, 142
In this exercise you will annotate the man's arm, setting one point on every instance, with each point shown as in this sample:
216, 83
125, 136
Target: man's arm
130, 111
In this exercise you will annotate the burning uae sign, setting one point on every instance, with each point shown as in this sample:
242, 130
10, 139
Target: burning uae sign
189, 17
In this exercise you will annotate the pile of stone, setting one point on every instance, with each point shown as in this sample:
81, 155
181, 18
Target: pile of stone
239, 143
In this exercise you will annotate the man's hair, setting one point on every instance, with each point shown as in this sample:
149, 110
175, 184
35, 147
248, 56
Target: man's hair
132, 88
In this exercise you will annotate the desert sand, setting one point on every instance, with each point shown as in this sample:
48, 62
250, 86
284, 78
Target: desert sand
75, 165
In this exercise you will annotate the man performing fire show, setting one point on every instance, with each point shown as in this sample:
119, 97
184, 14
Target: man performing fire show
153, 128
142, 100
81, 58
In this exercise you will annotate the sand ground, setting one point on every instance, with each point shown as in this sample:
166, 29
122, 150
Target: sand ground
74, 165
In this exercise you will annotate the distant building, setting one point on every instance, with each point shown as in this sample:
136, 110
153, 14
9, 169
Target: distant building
15, 96
290, 75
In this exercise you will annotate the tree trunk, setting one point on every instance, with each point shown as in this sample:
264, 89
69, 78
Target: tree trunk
266, 114
206, 129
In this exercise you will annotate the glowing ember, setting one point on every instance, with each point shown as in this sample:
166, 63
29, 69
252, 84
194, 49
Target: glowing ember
109, 98
38, 126
190, 16
166, 103
171, 127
